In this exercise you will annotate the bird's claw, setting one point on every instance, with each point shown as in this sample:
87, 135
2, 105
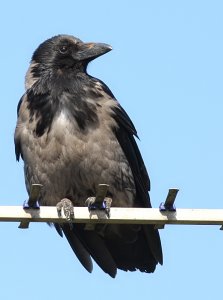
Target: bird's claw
105, 205
68, 209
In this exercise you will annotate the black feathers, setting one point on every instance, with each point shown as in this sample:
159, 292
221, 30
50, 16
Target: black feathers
125, 135
44, 107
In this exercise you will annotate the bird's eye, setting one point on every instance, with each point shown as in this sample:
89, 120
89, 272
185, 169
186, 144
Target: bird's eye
63, 49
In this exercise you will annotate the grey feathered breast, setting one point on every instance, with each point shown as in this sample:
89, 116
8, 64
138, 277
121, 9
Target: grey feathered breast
71, 157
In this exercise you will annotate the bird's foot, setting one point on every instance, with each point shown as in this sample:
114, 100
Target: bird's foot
68, 209
105, 204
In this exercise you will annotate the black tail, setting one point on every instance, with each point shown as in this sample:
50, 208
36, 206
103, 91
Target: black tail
135, 248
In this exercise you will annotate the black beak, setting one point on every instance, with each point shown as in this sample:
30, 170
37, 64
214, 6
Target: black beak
90, 51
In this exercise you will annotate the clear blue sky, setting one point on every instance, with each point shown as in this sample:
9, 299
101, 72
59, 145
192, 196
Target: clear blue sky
166, 69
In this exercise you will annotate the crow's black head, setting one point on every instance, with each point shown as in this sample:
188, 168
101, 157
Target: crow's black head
68, 51
61, 53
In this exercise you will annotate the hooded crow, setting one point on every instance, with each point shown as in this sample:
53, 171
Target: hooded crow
73, 135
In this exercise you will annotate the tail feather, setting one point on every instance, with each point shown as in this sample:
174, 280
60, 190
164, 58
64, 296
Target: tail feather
133, 256
78, 248
153, 239
97, 249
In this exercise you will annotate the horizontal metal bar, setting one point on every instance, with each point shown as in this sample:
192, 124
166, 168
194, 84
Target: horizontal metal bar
118, 216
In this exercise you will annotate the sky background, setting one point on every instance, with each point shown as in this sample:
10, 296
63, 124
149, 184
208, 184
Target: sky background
166, 69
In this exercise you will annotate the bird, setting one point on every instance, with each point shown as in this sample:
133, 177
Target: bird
73, 134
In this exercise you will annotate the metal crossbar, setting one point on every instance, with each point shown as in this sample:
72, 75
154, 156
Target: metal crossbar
165, 214
117, 215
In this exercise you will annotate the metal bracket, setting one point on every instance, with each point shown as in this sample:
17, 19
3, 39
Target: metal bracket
100, 202
101, 193
33, 197
168, 205
32, 202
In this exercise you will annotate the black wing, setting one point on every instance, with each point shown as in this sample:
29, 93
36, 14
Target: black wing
18, 151
125, 134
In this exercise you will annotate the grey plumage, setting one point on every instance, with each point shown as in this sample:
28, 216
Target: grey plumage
72, 135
